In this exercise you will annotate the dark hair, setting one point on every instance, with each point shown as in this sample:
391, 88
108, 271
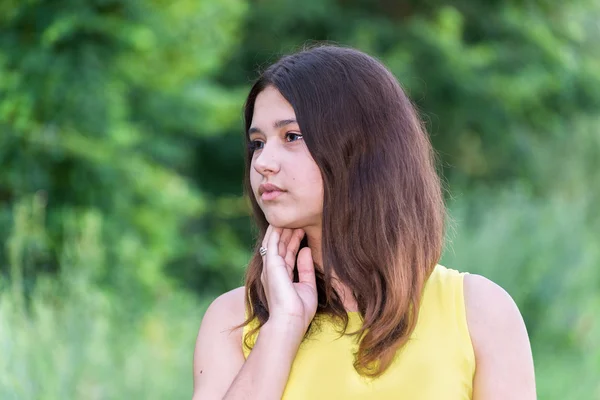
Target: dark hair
383, 208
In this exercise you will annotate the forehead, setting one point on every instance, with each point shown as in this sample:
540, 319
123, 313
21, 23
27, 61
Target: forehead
269, 106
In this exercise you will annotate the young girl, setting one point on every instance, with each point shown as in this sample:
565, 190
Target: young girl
344, 297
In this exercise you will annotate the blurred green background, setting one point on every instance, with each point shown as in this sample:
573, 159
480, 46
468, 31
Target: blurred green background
121, 145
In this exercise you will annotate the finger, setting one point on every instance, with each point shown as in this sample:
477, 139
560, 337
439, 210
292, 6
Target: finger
263, 274
306, 268
273, 243
266, 237
292, 248
283, 252
284, 240
265, 241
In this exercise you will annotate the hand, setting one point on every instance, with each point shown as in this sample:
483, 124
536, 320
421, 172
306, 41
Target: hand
288, 301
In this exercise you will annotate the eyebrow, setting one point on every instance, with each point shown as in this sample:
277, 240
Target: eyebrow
277, 125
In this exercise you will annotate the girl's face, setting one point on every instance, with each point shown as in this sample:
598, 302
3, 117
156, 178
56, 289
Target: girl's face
281, 158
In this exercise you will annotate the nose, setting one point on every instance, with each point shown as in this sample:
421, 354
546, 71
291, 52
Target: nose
266, 162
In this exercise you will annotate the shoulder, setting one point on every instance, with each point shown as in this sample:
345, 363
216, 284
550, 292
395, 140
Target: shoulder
227, 310
220, 320
218, 354
500, 341
491, 311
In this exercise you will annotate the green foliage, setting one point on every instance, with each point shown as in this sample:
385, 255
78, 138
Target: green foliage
544, 252
68, 339
102, 107
121, 148
546, 258
489, 77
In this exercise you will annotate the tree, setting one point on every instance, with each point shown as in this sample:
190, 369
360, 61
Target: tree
102, 104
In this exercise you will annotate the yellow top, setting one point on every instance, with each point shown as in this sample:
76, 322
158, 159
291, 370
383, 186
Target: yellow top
437, 362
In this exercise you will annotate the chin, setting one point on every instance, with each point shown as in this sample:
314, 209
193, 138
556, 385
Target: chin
281, 221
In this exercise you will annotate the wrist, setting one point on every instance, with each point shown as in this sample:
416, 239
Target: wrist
287, 329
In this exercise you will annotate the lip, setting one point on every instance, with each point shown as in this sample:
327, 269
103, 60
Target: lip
269, 191
271, 195
268, 187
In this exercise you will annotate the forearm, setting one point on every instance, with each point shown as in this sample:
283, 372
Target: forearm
266, 371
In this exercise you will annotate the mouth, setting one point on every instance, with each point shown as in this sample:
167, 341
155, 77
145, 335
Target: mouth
272, 195
269, 191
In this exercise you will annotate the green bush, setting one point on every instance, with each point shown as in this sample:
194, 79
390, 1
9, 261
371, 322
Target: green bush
70, 339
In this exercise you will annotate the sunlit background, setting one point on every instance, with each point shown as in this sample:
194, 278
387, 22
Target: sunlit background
121, 145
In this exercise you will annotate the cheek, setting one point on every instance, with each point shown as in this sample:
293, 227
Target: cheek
255, 181
314, 175
312, 184
254, 177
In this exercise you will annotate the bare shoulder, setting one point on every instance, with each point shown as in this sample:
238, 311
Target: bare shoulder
228, 307
500, 341
218, 354
224, 314
488, 303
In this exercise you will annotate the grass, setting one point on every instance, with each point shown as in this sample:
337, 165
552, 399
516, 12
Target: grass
69, 337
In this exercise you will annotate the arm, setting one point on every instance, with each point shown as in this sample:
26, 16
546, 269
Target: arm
502, 350
218, 355
219, 367
220, 371
266, 371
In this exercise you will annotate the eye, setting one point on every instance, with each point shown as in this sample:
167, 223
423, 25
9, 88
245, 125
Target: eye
255, 145
296, 136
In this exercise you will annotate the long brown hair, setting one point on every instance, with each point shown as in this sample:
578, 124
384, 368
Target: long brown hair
383, 209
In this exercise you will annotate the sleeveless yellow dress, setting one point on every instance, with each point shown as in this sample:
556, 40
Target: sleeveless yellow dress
437, 363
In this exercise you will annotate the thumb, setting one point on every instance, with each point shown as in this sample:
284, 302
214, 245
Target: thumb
306, 268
